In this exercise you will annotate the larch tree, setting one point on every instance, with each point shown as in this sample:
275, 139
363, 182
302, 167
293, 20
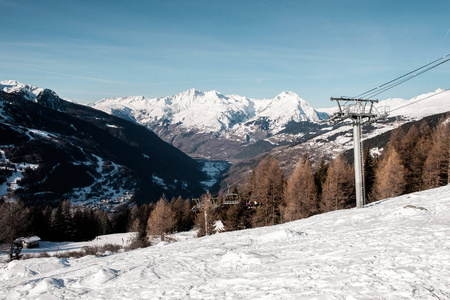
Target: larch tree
188, 216
268, 181
396, 141
409, 160
236, 216
161, 220
339, 188
300, 193
183, 214
417, 158
390, 176
177, 204
437, 164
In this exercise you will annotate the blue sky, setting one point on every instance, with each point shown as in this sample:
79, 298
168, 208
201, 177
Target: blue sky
87, 50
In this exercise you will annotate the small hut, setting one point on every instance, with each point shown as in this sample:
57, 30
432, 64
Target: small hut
31, 242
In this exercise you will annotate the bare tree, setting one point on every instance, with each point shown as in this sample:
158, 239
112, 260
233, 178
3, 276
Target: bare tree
13, 222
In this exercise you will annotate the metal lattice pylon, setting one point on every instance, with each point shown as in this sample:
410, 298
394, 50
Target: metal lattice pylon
360, 111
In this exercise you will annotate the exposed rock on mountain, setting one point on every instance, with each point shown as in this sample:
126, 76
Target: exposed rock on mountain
52, 149
212, 125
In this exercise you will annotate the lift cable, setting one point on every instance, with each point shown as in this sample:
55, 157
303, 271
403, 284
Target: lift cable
397, 108
406, 79
393, 83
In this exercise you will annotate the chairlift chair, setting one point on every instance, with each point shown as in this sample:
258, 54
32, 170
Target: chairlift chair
254, 201
231, 198
197, 204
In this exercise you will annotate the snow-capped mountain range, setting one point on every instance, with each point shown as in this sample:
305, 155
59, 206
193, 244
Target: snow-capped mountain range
212, 125
213, 112
216, 126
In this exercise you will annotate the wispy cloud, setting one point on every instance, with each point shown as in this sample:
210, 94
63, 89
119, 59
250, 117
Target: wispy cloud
59, 74
445, 37
95, 79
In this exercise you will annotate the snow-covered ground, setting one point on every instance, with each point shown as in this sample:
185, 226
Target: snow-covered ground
397, 248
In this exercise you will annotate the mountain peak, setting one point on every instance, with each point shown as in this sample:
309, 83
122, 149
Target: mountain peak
284, 94
191, 92
30, 92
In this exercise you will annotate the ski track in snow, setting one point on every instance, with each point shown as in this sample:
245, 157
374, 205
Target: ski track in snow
394, 249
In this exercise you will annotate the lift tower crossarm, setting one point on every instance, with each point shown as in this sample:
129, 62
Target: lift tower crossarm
363, 109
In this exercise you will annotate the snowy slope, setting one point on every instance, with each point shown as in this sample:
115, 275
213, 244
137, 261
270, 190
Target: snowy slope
420, 106
394, 249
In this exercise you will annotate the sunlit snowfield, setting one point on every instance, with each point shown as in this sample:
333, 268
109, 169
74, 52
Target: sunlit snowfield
394, 249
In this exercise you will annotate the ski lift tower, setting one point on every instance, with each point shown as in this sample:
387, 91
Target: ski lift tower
360, 111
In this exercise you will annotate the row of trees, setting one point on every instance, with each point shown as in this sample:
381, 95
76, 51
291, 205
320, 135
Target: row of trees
414, 160
77, 223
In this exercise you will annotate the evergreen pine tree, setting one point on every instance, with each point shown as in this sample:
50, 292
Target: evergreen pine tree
46, 230
413, 172
37, 222
120, 222
369, 171
62, 224
104, 222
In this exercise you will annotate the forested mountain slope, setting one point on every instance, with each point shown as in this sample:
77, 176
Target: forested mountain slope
53, 150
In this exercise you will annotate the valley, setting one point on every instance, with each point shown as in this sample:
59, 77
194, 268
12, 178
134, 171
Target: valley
227, 134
